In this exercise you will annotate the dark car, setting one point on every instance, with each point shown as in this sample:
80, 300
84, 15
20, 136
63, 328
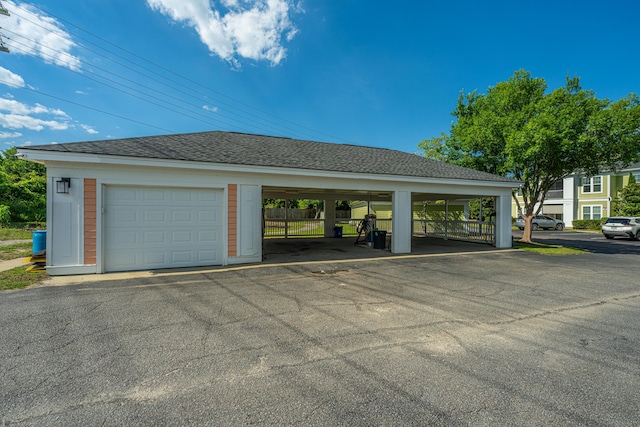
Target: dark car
541, 221
622, 226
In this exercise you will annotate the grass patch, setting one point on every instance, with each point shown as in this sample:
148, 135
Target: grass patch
548, 249
19, 277
16, 250
15, 234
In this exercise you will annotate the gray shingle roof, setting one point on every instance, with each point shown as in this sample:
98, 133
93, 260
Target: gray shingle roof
634, 166
257, 150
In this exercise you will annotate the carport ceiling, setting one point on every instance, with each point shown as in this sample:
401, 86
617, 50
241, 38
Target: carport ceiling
324, 193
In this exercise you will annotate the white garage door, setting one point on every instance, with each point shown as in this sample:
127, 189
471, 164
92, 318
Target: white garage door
150, 228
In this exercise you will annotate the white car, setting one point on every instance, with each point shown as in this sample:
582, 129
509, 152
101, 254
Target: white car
541, 221
622, 226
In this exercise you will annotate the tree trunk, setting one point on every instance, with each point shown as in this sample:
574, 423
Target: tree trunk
526, 234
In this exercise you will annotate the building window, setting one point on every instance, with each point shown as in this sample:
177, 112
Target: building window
592, 212
636, 175
592, 185
556, 190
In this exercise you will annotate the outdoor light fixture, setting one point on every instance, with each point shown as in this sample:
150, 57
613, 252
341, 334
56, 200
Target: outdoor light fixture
62, 185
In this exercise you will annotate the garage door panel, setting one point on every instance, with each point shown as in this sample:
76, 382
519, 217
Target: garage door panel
182, 257
155, 215
124, 216
125, 195
153, 195
182, 237
185, 197
182, 216
205, 255
155, 258
207, 236
154, 238
125, 238
210, 217
213, 198
162, 228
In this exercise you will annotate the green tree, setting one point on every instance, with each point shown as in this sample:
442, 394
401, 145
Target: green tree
520, 130
628, 201
23, 188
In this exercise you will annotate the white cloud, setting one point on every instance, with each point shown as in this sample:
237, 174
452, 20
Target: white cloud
5, 135
89, 129
17, 107
38, 35
22, 116
18, 121
212, 109
252, 29
10, 78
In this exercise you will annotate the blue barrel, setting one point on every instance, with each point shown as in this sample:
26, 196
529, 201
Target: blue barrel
39, 241
337, 232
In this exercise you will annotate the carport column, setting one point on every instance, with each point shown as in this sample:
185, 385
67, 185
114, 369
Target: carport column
503, 222
401, 222
329, 217
286, 218
446, 219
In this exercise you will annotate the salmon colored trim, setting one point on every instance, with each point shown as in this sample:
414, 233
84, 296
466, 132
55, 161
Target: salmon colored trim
232, 237
90, 220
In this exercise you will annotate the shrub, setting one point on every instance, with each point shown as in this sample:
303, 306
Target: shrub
5, 215
588, 224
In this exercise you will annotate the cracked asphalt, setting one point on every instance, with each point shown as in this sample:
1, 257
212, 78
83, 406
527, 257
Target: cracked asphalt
491, 338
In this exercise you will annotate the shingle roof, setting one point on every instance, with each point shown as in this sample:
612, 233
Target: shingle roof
257, 150
634, 166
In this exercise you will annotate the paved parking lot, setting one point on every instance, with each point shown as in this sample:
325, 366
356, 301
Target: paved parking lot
486, 338
592, 241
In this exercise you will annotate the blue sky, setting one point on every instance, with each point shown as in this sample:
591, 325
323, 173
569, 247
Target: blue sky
383, 74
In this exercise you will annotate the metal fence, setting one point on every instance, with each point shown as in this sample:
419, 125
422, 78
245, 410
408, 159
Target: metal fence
473, 231
293, 227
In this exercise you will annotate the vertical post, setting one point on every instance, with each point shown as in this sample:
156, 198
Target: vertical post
446, 219
329, 217
503, 222
569, 202
480, 222
401, 222
467, 225
286, 218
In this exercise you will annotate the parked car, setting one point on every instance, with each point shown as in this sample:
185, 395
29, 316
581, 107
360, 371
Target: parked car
541, 221
622, 226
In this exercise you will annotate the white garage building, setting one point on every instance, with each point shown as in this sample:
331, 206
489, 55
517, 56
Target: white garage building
196, 199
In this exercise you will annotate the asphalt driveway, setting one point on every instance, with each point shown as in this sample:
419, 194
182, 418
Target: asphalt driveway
490, 338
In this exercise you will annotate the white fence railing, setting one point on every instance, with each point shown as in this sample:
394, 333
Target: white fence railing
473, 231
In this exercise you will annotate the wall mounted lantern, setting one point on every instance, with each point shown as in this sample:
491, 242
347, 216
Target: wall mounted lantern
63, 185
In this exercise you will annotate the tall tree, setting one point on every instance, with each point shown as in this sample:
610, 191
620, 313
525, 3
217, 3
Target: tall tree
628, 201
520, 130
23, 189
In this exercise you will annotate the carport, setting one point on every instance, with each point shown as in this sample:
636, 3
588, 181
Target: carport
196, 199
447, 227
